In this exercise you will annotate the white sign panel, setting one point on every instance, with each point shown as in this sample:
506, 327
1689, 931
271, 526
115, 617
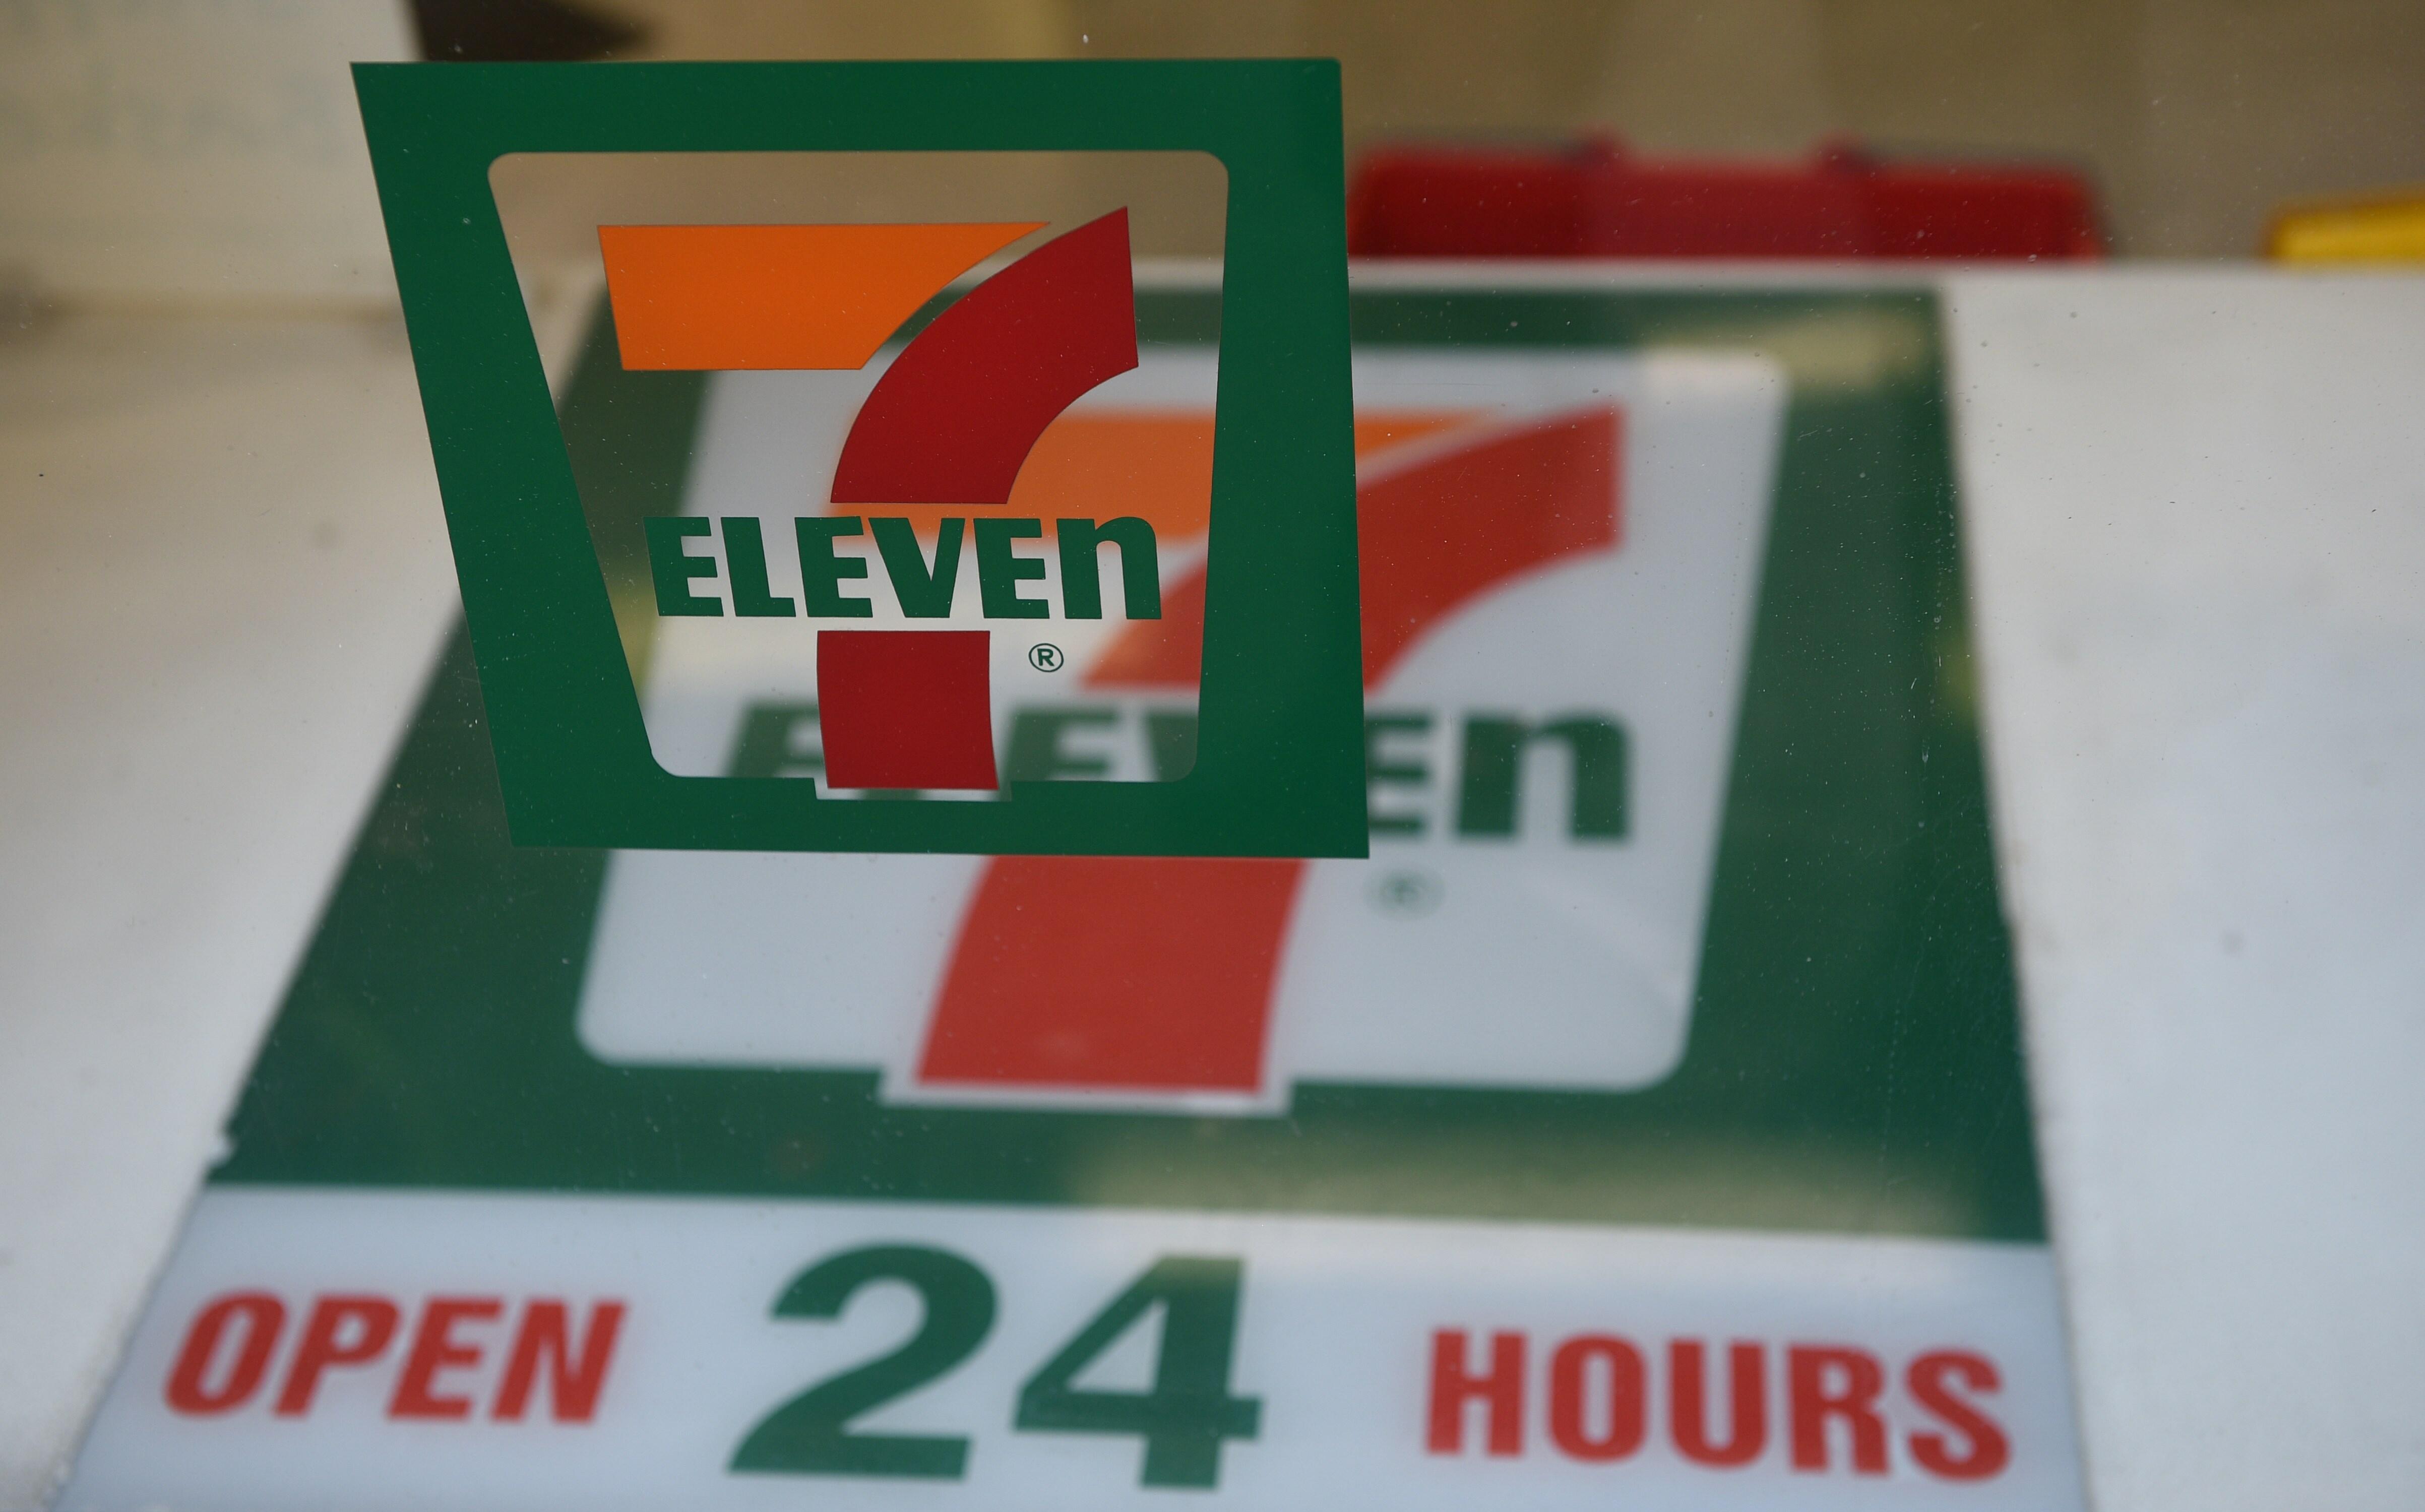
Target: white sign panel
1549, 750
390, 1352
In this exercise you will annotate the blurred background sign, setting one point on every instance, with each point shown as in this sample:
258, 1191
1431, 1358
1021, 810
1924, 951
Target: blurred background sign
1665, 1053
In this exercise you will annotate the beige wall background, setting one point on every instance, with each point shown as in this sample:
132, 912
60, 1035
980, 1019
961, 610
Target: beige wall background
2195, 117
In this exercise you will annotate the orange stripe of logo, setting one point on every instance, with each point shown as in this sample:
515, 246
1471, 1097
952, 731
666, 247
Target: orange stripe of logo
780, 297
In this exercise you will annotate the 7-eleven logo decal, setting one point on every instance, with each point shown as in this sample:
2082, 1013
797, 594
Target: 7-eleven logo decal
914, 535
1559, 557
950, 423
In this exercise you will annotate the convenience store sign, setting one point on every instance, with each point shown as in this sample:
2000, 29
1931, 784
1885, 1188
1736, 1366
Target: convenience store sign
695, 1179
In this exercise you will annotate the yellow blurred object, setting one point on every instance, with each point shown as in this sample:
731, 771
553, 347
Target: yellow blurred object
2381, 228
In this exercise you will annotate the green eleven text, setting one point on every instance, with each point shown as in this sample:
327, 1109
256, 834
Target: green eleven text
923, 584
1475, 775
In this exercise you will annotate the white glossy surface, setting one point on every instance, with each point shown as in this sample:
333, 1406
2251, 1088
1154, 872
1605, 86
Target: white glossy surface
223, 576
2196, 513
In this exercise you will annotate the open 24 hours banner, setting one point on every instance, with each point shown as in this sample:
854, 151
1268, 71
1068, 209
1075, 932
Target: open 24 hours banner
1642, 1123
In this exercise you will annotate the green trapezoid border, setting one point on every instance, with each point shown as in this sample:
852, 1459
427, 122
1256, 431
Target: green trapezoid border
1279, 757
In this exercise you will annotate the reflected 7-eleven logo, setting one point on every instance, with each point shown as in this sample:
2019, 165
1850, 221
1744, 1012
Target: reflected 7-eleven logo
1159, 975
1558, 553
952, 422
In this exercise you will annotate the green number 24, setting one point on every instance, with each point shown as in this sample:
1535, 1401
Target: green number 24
1182, 1419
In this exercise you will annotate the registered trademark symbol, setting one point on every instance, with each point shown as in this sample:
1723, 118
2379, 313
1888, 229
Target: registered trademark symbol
1408, 894
1045, 657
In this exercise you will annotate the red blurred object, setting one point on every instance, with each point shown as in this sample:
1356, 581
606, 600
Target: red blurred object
1593, 199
